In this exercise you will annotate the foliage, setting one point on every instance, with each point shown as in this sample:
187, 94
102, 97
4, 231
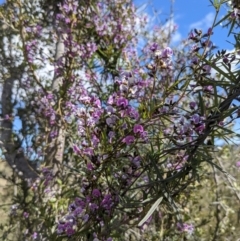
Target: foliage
113, 136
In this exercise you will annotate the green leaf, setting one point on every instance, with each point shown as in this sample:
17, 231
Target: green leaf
201, 104
216, 4
53, 200
215, 165
232, 26
59, 181
226, 75
150, 212
220, 21
215, 96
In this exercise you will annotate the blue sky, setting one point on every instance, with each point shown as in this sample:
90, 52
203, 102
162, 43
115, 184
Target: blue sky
189, 14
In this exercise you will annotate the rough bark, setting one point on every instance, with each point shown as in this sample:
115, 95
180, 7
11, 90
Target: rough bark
12, 152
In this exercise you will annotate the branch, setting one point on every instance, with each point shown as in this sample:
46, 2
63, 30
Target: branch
217, 210
56, 147
216, 117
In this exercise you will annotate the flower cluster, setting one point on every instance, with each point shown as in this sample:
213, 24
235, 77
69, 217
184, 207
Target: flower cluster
94, 207
184, 227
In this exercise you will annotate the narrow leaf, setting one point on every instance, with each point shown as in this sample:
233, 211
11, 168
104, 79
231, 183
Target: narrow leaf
150, 212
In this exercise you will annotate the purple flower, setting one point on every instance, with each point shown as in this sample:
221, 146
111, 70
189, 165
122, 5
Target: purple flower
85, 218
208, 88
154, 47
90, 166
184, 227
111, 99
191, 36
72, 207
107, 202
192, 105
50, 96
25, 215
133, 113
195, 60
94, 235
77, 211
111, 120
93, 206
7, 117
111, 135
138, 129
221, 123
96, 193
97, 114
136, 161
207, 43
97, 103
70, 6
210, 32
128, 140
144, 136
200, 128
71, 220
238, 164
76, 149
167, 53
122, 102
110, 109
34, 236
60, 228
207, 69
167, 131
70, 231
79, 202
94, 140
225, 60
88, 151
196, 119
235, 13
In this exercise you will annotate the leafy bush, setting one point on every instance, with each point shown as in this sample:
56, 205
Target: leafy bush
113, 137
